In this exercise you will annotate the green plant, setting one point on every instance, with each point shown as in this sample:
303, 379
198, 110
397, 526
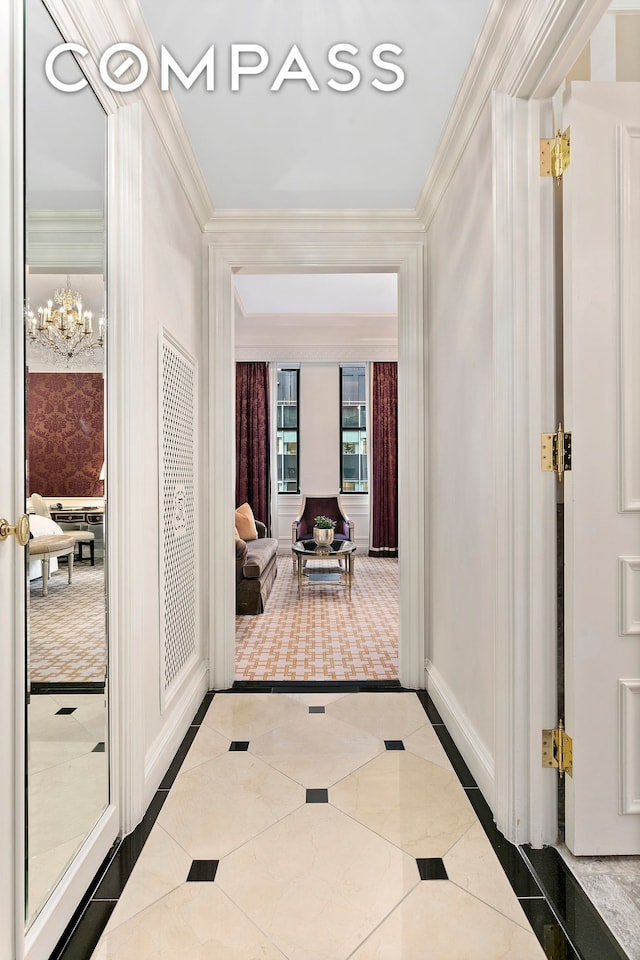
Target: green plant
325, 523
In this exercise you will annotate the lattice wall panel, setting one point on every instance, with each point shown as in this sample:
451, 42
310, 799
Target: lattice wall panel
178, 487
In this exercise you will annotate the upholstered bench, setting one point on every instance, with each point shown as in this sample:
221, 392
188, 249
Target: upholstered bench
46, 548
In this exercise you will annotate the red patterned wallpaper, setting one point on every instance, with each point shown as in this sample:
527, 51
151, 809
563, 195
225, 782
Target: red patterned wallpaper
65, 434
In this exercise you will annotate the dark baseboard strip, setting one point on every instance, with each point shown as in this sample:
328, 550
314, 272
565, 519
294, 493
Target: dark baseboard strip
59, 688
584, 928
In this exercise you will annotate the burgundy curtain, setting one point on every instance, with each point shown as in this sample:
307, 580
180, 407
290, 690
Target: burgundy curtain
384, 473
252, 439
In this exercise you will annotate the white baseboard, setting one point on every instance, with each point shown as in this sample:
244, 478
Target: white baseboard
176, 723
474, 751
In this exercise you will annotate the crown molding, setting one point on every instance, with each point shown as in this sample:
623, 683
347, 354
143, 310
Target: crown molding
97, 26
321, 221
525, 49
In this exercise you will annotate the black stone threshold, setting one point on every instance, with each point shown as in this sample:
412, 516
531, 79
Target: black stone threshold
561, 915
315, 686
52, 688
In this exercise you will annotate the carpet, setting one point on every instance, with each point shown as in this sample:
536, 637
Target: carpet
324, 635
67, 628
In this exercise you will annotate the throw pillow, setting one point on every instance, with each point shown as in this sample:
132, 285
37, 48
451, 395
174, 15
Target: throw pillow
245, 523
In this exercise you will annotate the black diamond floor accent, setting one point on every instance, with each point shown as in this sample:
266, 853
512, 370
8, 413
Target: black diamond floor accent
394, 745
239, 745
431, 868
318, 796
99, 747
316, 709
203, 870
65, 711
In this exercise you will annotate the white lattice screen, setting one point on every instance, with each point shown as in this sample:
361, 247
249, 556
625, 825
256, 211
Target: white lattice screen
178, 578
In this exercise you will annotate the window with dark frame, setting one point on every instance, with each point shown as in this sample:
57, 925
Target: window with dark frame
287, 431
353, 429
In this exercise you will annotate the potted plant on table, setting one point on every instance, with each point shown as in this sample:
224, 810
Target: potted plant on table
323, 528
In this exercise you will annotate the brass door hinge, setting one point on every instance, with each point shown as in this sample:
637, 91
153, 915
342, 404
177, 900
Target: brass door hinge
557, 750
555, 155
556, 452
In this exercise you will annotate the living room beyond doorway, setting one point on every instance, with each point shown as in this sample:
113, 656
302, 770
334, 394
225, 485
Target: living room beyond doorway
317, 338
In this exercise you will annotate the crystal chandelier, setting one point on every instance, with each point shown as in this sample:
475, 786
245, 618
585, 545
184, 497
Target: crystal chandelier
63, 327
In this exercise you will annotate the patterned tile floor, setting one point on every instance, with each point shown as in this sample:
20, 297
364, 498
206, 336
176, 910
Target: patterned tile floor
325, 635
317, 827
63, 647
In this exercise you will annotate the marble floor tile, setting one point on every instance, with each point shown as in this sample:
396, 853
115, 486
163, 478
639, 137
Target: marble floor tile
194, 922
390, 716
315, 699
162, 866
206, 745
65, 801
220, 804
45, 869
413, 803
472, 865
425, 743
43, 755
314, 830
317, 882
66, 727
439, 921
243, 717
316, 750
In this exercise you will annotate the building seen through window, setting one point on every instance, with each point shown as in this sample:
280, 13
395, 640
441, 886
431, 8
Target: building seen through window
353, 429
287, 431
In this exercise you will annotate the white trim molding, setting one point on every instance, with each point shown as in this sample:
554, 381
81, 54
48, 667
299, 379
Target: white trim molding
524, 50
126, 474
629, 746
69, 241
319, 253
474, 752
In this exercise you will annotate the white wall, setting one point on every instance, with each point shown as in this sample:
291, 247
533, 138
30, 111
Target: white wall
172, 298
460, 385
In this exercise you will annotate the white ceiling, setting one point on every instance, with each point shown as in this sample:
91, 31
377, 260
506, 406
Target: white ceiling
65, 134
331, 294
298, 149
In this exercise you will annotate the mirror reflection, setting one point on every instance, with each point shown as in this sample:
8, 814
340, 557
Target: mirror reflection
65, 377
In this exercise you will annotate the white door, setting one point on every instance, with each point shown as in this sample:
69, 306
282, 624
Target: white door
601, 190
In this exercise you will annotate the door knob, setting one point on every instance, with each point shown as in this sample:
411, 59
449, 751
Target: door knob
21, 529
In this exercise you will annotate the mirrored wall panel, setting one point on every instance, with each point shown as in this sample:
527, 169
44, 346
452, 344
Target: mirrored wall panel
65, 392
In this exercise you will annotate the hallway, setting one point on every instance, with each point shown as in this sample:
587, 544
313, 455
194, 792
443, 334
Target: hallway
317, 825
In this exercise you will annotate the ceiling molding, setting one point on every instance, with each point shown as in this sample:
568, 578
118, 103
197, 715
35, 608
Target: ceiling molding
524, 50
97, 26
321, 221
65, 221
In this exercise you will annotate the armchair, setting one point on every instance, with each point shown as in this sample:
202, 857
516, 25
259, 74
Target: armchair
313, 506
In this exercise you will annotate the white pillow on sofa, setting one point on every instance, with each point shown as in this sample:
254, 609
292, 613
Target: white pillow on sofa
43, 526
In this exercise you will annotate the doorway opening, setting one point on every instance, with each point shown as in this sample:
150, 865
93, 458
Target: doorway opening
326, 344
313, 252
